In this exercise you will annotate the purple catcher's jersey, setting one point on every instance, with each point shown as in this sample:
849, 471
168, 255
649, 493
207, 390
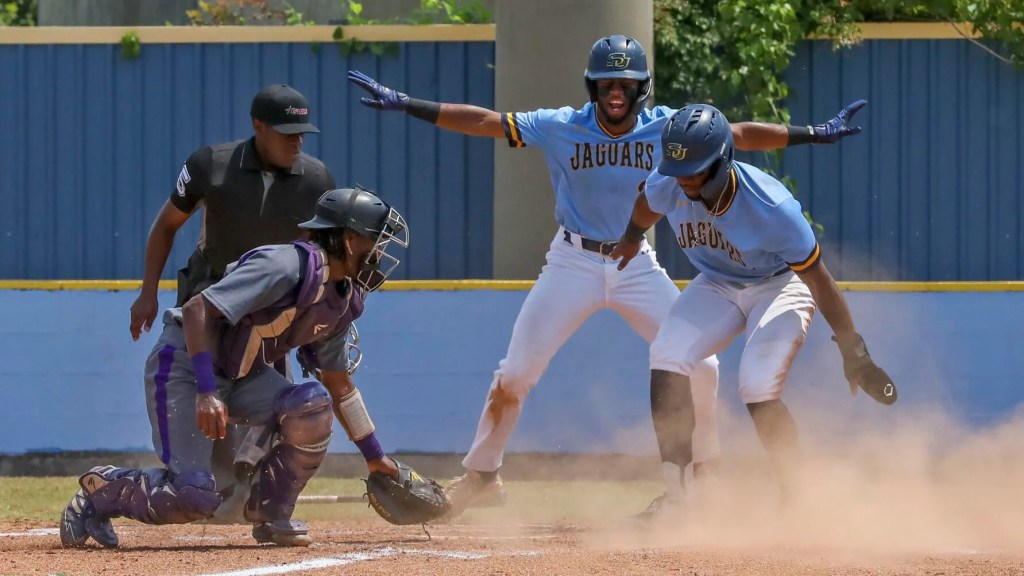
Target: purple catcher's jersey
760, 232
271, 306
595, 176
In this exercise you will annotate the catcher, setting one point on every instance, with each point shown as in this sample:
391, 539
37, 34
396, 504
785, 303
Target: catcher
214, 361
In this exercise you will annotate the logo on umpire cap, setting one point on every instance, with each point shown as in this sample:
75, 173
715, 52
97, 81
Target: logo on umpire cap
618, 60
296, 111
675, 151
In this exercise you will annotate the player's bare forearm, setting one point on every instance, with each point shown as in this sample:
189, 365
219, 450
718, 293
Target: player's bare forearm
829, 299
198, 319
753, 136
643, 217
159, 244
471, 120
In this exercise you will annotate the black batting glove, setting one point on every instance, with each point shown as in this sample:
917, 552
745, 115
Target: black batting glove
862, 372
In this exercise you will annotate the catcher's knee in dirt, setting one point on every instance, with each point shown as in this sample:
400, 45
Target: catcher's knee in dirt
197, 498
152, 495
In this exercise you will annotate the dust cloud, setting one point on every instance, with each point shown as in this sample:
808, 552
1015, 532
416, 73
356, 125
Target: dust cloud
923, 485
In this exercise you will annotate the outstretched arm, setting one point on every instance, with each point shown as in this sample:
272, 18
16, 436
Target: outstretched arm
755, 136
463, 118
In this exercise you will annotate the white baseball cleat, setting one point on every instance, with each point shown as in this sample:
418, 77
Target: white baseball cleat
471, 490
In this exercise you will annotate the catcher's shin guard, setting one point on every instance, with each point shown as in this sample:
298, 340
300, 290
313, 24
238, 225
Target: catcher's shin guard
673, 414
152, 495
305, 419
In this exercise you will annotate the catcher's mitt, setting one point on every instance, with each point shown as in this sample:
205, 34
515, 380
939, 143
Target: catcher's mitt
411, 499
861, 371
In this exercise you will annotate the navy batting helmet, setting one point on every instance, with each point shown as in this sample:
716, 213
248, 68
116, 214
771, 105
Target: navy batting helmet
618, 57
698, 138
361, 211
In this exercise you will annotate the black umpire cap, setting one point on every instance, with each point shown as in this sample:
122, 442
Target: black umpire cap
284, 108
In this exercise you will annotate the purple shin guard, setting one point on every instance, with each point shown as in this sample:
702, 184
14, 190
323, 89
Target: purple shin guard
282, 476
150, 496
304, 422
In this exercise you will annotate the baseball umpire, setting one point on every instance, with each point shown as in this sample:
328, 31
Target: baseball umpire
254, 193
598, 156
761, 274
214, 363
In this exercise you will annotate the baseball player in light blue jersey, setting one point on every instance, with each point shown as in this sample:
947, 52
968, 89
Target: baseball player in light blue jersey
215, 361
760, 274
598, 156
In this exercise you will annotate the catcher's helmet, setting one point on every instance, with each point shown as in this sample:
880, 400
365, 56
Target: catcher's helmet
363, 212
697, 138
618, 56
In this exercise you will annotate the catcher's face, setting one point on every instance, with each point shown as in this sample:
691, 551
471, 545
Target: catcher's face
367, 260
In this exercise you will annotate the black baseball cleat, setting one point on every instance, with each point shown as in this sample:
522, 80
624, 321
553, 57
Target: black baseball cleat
282, 533
79, 521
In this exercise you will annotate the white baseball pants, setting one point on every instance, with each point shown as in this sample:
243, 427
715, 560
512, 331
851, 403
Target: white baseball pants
773, 314
573, 285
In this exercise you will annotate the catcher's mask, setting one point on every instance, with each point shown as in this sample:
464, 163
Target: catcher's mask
362, 212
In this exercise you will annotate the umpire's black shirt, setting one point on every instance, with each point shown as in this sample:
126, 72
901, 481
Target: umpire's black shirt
241, 212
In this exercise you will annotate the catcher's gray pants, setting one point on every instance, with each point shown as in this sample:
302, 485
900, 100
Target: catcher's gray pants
171, 401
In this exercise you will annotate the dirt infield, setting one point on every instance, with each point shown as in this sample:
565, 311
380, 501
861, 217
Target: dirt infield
371, 547
921, 497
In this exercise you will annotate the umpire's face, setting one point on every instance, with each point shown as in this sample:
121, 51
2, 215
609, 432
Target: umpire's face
276, 149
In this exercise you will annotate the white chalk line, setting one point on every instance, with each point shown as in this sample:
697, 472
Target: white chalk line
34, 532
353, 557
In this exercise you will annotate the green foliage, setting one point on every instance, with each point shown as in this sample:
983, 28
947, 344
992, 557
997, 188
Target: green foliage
241, 12
429, 12
999, 22
733, 53
131, 46
18, 12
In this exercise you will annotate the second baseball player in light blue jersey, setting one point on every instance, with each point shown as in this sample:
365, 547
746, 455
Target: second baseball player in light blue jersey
595, 175
761, 275
758, 233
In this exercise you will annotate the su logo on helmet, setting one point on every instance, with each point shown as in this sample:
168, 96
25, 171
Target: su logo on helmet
676, 151
618, 60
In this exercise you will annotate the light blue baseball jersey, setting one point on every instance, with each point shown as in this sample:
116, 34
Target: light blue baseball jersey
595, 176
757, 234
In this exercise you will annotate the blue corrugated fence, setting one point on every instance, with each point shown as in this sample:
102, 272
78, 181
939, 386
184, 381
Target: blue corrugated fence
91, 144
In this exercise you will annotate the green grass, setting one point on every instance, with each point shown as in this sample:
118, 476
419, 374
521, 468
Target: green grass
42, 499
